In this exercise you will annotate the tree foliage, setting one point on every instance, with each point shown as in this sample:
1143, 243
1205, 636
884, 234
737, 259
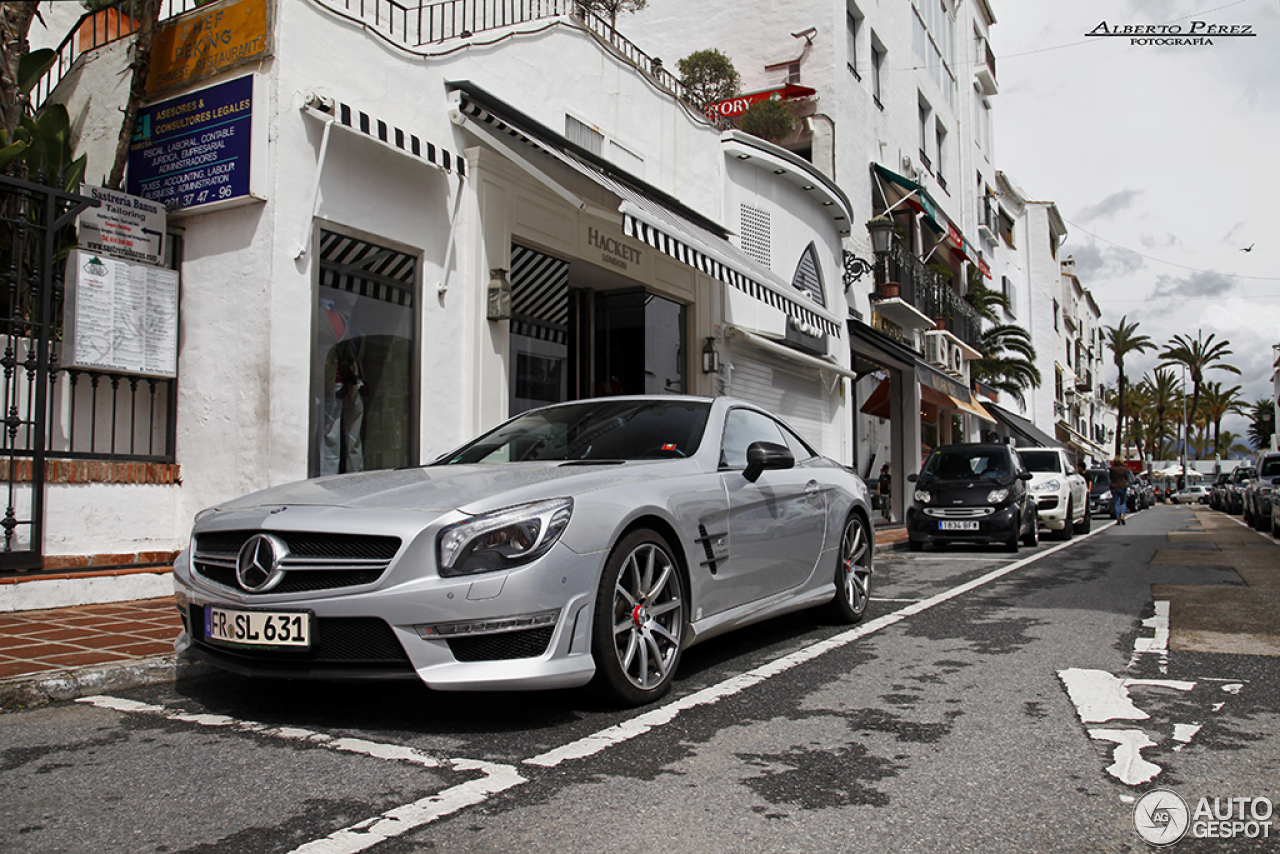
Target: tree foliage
770, 119
1123, 340
709, 76
610, 9
1198, 355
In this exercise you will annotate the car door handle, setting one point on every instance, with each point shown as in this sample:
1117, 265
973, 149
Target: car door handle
812, 488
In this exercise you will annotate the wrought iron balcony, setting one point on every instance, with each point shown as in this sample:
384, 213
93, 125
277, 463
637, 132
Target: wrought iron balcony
926, 291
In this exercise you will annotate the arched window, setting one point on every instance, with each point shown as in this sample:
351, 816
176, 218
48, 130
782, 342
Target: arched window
807, 278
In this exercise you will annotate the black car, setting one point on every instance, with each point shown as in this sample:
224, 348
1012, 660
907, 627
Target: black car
1100, 501
1233, 500
972, 493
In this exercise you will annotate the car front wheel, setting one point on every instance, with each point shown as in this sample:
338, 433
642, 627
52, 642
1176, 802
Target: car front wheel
1032, 538
853, 573
639, 620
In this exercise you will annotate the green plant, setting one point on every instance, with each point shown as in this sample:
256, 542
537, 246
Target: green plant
770, 119
611, 8
709, 76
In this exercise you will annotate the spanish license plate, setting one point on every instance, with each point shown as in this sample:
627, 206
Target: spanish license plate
261, 629
954, 525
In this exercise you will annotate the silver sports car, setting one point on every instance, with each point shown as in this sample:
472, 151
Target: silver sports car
585, 542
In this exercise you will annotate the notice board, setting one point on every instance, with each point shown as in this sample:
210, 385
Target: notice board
120, 316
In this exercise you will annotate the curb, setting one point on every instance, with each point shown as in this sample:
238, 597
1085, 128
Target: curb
28, 692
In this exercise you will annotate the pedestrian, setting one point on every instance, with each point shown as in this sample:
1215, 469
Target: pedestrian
885, 490
1119, 489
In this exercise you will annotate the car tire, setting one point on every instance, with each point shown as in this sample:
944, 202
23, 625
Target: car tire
1011, 544
640, 620
1068, 527
1086, 523
853, 573
1032, 538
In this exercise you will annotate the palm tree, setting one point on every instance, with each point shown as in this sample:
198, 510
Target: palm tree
1218, 403
1232, 446
1123, 340
1166, 397
1008, 362
1200, 355
1261, 423
1141, 424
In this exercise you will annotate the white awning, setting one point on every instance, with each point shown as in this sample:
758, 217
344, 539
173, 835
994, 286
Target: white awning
782, 350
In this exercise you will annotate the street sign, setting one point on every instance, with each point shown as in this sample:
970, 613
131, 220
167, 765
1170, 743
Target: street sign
123, 225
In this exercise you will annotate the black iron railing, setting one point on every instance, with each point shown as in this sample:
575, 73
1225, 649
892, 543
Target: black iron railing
99, 29
928, 292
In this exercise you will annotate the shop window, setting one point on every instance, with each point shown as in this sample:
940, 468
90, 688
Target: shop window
363, 358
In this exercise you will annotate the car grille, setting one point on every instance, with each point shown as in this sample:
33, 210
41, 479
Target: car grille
337, 642
316, 561
503, 646
959, 512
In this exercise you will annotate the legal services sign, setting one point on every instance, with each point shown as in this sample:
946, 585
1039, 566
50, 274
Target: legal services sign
195, 150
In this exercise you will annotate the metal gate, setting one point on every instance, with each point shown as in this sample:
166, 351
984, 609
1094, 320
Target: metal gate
36, 226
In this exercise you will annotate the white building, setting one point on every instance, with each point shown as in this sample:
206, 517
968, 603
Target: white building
425, 231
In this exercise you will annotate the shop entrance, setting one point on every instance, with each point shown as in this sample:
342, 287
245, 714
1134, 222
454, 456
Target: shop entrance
579, 331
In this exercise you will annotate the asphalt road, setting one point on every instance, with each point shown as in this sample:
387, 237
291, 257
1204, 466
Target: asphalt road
988, 703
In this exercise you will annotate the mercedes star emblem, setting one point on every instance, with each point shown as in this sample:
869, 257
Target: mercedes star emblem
258, 564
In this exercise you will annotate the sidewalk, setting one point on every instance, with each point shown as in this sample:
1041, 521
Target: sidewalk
63, 653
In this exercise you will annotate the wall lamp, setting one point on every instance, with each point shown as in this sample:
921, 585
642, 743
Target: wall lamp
710, 358
499, 295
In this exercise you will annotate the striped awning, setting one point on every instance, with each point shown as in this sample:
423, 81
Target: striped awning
648, 215
393, 136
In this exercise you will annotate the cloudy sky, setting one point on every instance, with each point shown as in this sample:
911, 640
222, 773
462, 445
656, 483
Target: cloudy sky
1164, 161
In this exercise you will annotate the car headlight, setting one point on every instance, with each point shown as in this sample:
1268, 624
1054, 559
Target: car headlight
922, 496
503, 539
1047, 486
995, 496
1104, 496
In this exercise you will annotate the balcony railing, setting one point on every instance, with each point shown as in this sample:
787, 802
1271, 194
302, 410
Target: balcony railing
407, 24
928, 292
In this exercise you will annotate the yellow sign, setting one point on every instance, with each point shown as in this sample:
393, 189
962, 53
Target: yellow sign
198, 45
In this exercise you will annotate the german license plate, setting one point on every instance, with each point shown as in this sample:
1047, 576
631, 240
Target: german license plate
261, 629
954, 525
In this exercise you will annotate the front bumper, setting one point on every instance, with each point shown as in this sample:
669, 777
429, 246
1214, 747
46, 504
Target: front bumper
372, 632
1052, 510
997, 527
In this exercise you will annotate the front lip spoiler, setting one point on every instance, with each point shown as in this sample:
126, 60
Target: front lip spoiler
363, 674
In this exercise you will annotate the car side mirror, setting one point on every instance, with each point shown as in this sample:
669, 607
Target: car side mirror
912, 478
762, 456
1024, 475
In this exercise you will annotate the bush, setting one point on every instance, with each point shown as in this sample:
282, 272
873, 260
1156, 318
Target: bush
709, 76
770, 119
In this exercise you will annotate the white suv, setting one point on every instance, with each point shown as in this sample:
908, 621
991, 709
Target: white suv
1061, 492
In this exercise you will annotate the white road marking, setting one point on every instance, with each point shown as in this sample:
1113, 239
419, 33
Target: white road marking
1127, 764
1100, 697
498, 778
395, 822
606, 738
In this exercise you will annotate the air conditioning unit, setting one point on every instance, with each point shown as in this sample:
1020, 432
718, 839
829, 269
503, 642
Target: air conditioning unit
957, 361
937, 350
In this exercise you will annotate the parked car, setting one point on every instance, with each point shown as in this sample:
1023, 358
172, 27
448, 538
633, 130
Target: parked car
1233, 499
972, 493
1146, 495
583, 542
1196, 494
1061, 492
1100, 500
1258, 493
1218, 491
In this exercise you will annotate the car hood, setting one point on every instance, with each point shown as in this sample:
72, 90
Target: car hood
472, 488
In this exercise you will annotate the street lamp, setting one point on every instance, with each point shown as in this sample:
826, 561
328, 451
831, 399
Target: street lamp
1186, 428
881, 230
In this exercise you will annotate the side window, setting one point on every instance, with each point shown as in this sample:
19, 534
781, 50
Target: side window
799, 449
741, 428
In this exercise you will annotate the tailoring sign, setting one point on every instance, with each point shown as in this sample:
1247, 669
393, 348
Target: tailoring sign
127, 226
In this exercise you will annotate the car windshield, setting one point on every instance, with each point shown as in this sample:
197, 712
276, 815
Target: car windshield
1270, 467
968, 464
1099, 481
1041, 461
596, 430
